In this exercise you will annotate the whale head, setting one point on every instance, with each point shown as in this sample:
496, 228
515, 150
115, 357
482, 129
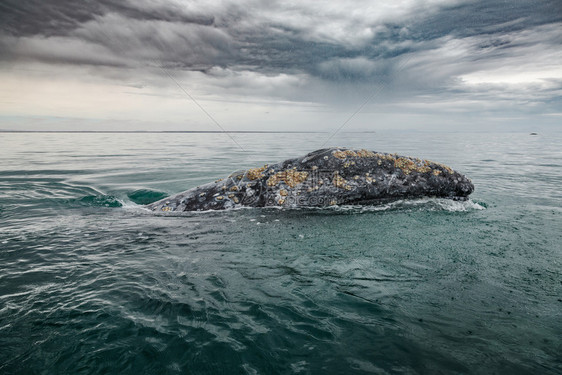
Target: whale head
463, 187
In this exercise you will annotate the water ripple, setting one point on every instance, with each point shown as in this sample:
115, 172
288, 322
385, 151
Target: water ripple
420, 286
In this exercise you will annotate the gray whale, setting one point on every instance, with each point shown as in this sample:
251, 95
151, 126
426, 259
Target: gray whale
326, 177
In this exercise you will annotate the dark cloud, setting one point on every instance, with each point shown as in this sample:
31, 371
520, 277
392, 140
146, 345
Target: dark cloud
36, 17
61, 17
340, 44
316, 52
488, 18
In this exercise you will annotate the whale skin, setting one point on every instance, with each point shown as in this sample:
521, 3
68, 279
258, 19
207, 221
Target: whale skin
326, 177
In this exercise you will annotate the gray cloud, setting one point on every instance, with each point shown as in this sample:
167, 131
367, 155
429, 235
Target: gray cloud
256, 35
416, 53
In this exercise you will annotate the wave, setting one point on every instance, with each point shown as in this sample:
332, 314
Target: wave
429, 204
97, 201
146, 196
421, 204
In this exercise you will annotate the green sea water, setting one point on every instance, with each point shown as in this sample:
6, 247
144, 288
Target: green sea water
91, 283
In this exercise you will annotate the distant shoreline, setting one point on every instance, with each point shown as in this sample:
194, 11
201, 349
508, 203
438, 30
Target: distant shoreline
159, 131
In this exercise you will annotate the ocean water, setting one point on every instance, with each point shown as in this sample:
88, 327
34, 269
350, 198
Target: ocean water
91, 283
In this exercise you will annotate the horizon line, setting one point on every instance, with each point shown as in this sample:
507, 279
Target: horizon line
158, 131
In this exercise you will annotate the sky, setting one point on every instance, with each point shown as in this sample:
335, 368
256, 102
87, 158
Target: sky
444, 65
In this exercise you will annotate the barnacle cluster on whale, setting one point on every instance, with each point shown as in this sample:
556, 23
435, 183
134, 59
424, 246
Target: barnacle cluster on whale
322, 178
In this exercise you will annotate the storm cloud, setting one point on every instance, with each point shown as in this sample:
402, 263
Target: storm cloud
449, 55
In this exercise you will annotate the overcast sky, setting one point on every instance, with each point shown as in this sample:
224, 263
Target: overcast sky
280, 65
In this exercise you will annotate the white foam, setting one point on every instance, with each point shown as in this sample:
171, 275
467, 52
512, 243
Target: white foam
456, 206
430, 204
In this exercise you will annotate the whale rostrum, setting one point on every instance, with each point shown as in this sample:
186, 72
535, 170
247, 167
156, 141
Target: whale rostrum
326, 177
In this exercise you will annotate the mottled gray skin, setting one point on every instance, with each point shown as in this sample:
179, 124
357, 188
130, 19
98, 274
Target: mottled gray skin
323, 178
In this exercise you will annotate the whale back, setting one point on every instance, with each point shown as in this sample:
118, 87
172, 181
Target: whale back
326, 177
